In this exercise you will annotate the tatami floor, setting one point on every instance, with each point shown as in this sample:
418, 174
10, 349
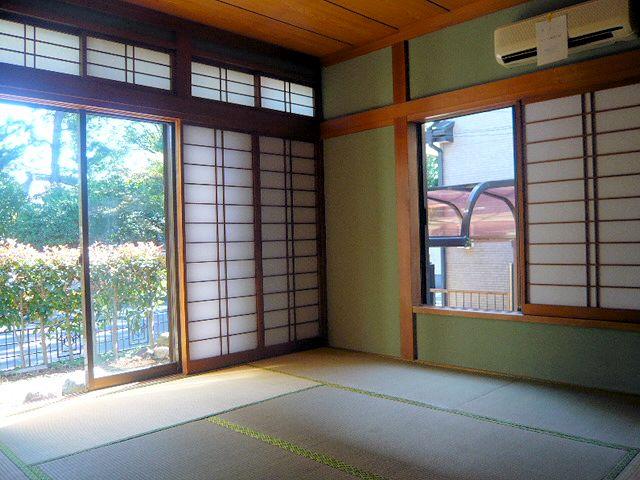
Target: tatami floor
328, 414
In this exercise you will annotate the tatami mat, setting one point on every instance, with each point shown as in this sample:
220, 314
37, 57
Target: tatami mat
446, 388
607, 417
195, 451
8, 470
611, 418
86, 422
402, 441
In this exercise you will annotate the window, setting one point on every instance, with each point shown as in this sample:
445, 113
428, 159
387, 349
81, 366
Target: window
41, 48
128, 63
469, 214
223, 84
582, 171
286, 96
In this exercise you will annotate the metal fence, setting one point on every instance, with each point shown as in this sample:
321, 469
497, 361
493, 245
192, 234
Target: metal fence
473, 299
59, 347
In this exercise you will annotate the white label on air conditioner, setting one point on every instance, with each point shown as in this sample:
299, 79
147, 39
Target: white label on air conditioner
552, 40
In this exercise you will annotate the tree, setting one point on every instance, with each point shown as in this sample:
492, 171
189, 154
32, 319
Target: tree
15, 135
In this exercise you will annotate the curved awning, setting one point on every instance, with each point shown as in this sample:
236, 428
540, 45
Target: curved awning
480, 211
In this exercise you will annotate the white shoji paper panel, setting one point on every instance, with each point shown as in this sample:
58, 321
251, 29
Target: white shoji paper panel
221, 290
128, 63
593, 139
222, 84
289, 240
41, 48
286, 96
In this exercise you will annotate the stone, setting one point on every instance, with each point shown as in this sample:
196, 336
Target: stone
143, 352
163, 339
70, 387
37, 397
161, 353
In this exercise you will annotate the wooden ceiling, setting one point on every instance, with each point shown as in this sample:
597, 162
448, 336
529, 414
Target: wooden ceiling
330, 29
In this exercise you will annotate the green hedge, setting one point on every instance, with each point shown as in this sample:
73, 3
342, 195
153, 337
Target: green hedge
128, 281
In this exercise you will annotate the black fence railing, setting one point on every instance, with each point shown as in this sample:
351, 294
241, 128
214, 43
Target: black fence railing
60, 347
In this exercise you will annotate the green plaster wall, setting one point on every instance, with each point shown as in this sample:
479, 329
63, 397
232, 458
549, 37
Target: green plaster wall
463, 55
362, 247
359, 84
592, 357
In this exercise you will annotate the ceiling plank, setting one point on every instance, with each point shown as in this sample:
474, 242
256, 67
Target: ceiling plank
233, 19
392, 12
322, 17
465, 13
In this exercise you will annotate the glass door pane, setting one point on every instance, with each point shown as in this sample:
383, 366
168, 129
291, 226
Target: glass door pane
127, 245
41, 323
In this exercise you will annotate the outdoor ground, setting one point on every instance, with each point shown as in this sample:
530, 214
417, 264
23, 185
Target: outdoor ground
20, 392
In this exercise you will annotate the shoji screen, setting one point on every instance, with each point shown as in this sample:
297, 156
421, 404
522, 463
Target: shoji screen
219, 242
582, 190
35, 47
128, 63
289, 240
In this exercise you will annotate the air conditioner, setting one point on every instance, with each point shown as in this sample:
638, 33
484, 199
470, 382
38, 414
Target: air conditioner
589, 24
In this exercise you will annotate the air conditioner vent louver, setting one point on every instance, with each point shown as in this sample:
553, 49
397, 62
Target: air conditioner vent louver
590, 24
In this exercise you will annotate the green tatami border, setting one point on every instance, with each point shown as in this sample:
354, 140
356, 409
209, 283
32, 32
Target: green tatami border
318, 457
32, 472
630, 452
173, 425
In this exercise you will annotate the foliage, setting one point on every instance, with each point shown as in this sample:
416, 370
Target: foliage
44, 286
125, 180
432, 172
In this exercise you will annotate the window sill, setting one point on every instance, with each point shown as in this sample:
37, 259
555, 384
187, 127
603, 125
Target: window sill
520, 317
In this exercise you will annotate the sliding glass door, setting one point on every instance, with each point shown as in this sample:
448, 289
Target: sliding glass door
86, 245
126, 163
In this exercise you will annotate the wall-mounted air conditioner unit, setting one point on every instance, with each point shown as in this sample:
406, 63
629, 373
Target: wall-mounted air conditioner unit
589, 25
